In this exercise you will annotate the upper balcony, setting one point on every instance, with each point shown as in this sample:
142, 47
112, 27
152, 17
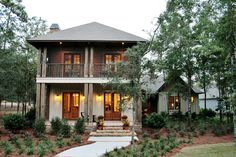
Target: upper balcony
80, 70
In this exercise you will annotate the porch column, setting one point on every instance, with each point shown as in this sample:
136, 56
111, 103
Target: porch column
43, 100
38, 99
91, 62
38, 85
86, 68
44, 61
90, 102
86, 100
138, 113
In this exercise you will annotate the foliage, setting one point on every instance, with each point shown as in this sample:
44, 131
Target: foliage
147, 147
41, 150
155, 120
65, 129
18, 58
76, 138
14, 122
30, 116
204, 113
79, 126
39, 127
56, 125
7, 148
59, 142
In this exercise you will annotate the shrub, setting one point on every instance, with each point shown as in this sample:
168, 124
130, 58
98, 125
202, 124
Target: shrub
194, 115
30, 150
30, 117
65, 129
41, 150
14, 122
59, 142
207, 113
7, 148
155, 120
56, 124
39, 127
77, 139
79, 126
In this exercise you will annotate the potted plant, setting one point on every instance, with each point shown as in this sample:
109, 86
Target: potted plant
125, 122
100, 122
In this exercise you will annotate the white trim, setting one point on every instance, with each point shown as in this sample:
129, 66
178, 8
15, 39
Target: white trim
73, 80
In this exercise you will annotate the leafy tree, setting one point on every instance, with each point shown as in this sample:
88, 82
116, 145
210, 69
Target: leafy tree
177, 40
18, 58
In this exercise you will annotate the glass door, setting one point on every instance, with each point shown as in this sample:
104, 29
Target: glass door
112, 106
71, 105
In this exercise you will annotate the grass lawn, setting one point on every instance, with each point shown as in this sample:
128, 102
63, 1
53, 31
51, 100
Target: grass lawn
209, 150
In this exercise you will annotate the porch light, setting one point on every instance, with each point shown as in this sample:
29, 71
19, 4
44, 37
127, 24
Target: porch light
60, 43
192, 99
122, 43
99, 97
82, 97
57, 96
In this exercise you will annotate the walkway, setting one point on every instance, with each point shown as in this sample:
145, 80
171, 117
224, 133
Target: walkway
100, 147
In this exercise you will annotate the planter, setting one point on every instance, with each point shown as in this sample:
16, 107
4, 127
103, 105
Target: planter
125, 127
100, 127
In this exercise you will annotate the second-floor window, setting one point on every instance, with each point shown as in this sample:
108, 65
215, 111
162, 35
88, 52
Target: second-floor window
72, 64
112, 58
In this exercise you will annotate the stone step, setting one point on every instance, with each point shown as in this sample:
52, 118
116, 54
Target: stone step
112, 131
112, 127
111, 134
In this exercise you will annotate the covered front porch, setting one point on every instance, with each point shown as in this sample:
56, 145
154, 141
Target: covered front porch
86, 100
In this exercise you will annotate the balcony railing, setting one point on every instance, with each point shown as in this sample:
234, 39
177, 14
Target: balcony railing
77, 70
65, 70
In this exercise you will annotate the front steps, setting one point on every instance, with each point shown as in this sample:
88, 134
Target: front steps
112, 128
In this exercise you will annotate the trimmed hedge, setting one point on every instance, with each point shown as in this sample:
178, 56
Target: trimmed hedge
14, 122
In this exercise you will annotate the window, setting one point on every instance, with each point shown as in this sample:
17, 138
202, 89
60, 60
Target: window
174, 103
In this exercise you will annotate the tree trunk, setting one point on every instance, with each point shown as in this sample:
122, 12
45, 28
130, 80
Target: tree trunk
189, 100
235, 127
204, 88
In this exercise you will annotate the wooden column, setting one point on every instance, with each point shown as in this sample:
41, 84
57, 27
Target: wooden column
90, 102
86, 59
139, 112
44, 62
43, 100
39, 70
91, 63
38, 85
38, 99
86, 100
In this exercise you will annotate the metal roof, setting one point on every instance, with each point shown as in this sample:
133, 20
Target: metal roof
93, 31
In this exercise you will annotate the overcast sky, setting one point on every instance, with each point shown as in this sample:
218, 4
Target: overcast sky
133, 16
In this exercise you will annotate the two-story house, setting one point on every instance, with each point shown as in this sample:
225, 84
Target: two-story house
71, 67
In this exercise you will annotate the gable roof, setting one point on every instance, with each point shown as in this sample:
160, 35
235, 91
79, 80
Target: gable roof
154, 85
93, 31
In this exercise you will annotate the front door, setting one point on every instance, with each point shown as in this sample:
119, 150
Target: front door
70, 105
112, 106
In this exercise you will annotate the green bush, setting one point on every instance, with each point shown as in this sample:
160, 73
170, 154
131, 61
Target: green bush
65, 129
59, 142
7, 148
41, 150
76, 138
39, 127
204, 113
155, 120
79, 126
30, 117
56, 124
14, 122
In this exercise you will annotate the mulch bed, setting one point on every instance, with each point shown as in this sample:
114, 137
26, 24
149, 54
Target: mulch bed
208, 138
4, 136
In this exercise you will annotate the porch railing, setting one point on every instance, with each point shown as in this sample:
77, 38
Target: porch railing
65, 70
77, 70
